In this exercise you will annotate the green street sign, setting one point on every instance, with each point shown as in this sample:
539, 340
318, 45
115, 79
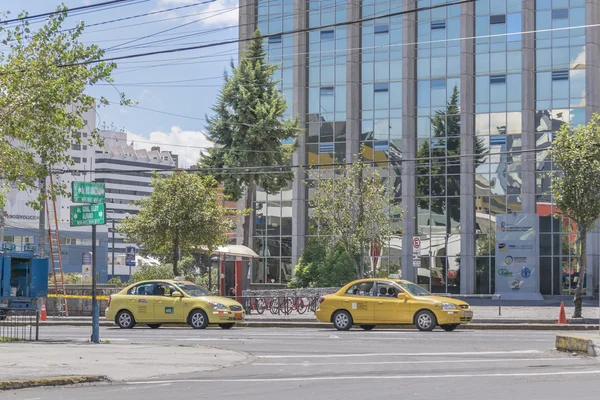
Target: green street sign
87, 192
89, 214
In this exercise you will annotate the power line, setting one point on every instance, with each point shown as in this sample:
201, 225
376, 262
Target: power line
46, 14
303, 30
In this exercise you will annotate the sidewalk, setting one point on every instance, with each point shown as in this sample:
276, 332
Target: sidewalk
117, 362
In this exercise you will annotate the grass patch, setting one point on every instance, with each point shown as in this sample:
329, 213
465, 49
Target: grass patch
5, 339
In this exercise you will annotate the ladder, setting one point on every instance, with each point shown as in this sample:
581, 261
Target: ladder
58, 275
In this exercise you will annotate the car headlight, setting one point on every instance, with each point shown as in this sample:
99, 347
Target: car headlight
218, 306
448, 306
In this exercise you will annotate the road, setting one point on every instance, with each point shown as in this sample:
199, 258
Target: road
326, 364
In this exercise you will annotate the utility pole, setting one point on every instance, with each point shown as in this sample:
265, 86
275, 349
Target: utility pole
42, 228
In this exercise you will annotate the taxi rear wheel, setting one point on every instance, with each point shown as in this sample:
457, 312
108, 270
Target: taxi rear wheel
198, 319
368, 327
226, 326
342, 320
449, 328
425, 321
154, 326
125, 320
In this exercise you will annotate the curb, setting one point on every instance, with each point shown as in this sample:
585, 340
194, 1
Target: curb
577, 344
53, 381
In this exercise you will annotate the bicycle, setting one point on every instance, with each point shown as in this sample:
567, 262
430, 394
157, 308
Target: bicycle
299, 304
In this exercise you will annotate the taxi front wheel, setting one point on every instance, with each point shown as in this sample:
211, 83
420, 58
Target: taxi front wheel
198, 319
425, 320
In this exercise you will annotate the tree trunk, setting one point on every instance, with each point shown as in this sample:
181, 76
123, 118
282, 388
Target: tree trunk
578, 301
176, 254
247, 218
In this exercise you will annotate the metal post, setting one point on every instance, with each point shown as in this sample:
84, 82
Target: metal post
95, 308
37, 324
42, 226
113, 248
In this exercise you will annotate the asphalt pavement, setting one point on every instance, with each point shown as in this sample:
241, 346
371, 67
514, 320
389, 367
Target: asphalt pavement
327, 364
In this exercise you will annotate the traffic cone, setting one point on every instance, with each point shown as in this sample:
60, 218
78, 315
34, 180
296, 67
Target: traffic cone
562, 318
43, 315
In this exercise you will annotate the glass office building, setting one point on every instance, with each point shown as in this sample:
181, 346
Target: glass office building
457, 107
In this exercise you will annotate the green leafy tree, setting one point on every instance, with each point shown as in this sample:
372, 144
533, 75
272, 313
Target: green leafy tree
148, 272
438, 166
248, 131
43, 78
181, 216
320, 266
576, 185
355, 209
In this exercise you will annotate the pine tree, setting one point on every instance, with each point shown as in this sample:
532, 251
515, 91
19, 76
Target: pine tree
248, 130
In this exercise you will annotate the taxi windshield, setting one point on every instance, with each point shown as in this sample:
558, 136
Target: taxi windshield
413, 289
193, 290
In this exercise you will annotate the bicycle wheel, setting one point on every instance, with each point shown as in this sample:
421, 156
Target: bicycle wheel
260, 305
288, 305
302, 305
274, 306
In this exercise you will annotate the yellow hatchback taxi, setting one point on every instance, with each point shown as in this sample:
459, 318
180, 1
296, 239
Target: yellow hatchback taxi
370, 302
158, 302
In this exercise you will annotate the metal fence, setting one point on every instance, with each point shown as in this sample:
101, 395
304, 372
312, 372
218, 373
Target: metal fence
278, 305
19, 325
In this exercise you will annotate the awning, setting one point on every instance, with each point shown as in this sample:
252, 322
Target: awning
236, 250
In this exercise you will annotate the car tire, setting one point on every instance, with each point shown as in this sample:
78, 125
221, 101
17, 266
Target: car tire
342, 320
368, 327
449, 328
198, 319
125, 320
154, 326
226, 326
425, 321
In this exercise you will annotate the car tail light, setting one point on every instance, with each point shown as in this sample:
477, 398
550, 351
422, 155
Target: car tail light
109, 299
322, 299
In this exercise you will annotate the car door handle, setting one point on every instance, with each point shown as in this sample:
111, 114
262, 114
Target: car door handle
380, 302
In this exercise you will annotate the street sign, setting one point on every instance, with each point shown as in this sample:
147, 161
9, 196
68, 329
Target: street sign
416, 252
130, 258
87, 192
89, 214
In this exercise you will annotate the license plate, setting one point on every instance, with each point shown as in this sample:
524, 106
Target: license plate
238, 315
469, 314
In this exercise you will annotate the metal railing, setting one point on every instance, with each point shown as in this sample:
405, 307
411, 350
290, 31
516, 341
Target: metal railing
278, 304
19, 325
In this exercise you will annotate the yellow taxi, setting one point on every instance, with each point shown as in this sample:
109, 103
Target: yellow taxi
370, 302
158, 302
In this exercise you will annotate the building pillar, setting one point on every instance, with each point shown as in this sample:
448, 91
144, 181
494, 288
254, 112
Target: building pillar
592, 81
528, 124
353, 79
467, 149
299, 190
409, 138
247, 19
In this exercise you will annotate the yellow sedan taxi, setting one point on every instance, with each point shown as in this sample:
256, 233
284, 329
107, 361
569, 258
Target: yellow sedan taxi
158, 302
370, 302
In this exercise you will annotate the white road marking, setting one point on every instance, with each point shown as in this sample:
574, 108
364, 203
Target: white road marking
345, 355
449, 361
373, 377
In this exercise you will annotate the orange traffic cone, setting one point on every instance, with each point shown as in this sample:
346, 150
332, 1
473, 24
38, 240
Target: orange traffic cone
43, 316
562, 318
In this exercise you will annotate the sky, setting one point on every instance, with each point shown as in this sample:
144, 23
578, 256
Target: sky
176, 91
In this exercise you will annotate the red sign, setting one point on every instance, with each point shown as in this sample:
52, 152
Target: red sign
417, 243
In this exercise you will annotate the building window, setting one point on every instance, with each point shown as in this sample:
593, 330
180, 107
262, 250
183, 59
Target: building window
562, 13
75, 147
382, 29
438, 24
560, 75
497, 79
327, 35
497, 19
438, 84
77, 159
84, 134
381, 87
326, 148
84, 159
85, 146
275, 39
327, 91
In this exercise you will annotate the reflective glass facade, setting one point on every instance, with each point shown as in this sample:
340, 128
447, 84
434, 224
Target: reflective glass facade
495, 76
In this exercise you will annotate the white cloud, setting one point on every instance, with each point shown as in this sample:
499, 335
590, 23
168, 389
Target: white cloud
187, 144
219, 12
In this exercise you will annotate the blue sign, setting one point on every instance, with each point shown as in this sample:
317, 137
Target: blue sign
130, 258
525, 272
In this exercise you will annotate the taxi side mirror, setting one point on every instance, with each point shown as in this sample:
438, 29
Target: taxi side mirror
402, 296
176, 294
